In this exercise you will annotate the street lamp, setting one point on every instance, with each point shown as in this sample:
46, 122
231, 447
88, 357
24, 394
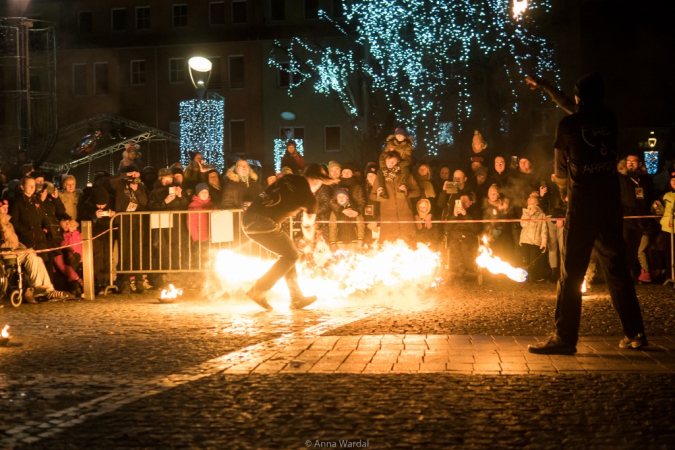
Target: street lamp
200, 72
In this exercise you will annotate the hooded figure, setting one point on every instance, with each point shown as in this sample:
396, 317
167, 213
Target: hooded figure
242, 186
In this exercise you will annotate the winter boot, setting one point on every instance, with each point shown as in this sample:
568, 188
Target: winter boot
644, 277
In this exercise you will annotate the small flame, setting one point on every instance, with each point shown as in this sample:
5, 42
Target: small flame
171, 293
584, 287
519, 8
495, 265
5, 332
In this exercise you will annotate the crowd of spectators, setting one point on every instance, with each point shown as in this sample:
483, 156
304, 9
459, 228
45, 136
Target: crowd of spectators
389, 199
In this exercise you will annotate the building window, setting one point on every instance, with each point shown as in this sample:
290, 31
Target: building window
217, 13
179, 16
239, 11
287, 133
311, 9
285, 78
143, 18
118, 17
332, 141
85, 21
277, 9
237, 80
338, 9
79, 79
101, 78
137, 73
176, 70
216, 80
237, 136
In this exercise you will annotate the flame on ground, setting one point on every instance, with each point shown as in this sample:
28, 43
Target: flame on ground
171, 293
519, 8
5, 332
584, 287
495, 265
339, 275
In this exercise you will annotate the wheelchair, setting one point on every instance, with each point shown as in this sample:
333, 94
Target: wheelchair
11, 279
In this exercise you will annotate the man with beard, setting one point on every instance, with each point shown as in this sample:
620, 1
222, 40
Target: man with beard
262, 224
586, 157
637, 195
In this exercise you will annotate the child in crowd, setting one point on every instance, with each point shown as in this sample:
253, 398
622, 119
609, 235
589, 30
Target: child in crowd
345, 236
427, 232
67, 262
534, 238
402, 143
198, 224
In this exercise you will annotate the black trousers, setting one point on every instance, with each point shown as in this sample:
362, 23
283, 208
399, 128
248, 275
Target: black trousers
594, 222
279, 242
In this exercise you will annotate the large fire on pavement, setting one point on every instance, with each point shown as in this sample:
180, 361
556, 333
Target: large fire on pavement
337, 276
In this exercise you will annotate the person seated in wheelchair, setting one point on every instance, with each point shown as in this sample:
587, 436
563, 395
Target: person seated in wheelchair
39, 283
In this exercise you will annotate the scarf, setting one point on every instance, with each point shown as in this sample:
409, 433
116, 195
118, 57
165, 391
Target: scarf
390, 174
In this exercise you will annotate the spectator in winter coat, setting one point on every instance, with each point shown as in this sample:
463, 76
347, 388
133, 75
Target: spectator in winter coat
39, 281
198, 224
372, 211
215, 187
67, 261
534, 238
242, 186
463, 237
71, 197
131, 156
349, 234
401, 143
357, 195
396, 207
292, 159
195, 172
98, 209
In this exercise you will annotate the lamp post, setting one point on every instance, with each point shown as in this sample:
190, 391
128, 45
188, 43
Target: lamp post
200, 73
202, 122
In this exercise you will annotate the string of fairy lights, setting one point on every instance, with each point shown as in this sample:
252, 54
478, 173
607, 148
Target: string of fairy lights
419, 52
202, 129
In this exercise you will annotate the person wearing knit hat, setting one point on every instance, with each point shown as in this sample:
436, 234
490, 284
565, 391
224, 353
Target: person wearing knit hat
292, 158
131, 156
201, 187
335, 170
262, 222
402, 143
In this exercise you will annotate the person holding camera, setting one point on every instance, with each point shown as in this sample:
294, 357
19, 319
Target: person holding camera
130, 196
453, 191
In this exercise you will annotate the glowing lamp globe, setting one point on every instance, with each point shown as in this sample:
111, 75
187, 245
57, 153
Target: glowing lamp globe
200, 72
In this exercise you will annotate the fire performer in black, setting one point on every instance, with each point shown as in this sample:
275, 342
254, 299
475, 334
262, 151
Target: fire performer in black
585, 159
262, 224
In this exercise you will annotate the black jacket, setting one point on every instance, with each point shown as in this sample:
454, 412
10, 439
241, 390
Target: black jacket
29, 222
156, 200
357, 195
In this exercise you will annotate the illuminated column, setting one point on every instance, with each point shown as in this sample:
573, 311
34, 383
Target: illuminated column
202, 129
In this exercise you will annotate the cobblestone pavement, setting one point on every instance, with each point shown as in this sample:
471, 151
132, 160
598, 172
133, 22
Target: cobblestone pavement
443, 368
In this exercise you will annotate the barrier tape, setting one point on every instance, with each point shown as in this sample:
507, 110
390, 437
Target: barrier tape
44, 250
548, 219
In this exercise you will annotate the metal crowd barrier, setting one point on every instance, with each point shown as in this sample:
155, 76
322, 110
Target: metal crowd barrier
175, 241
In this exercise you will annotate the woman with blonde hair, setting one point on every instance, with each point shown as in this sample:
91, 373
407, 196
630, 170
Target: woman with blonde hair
70, 196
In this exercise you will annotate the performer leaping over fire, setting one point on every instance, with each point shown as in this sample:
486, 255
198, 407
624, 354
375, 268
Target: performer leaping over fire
262, 224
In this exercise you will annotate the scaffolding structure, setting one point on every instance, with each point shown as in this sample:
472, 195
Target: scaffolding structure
28, 114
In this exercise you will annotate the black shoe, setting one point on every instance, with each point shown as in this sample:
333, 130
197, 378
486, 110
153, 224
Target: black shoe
260, 298
553, 346
638, 341
301, 302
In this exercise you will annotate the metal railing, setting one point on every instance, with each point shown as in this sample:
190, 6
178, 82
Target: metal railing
175, 241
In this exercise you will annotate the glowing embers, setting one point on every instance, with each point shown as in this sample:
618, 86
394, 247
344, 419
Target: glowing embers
495, 265
4, 336
170, 295
337, 276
